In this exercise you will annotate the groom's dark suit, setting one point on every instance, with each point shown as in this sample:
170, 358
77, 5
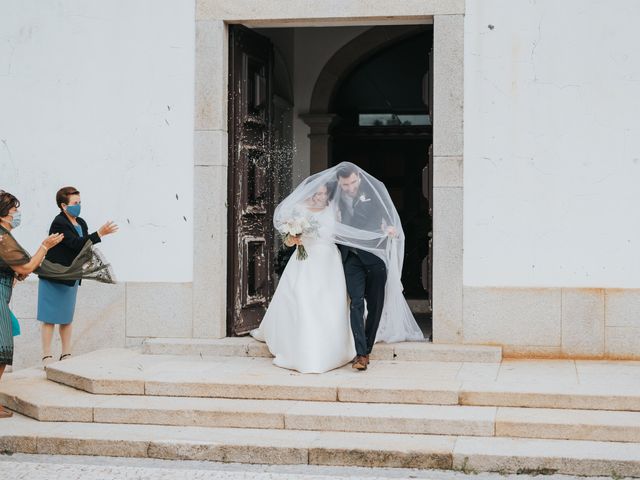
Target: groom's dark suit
365, 273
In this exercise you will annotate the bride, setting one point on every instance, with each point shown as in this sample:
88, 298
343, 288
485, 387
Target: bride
306, 326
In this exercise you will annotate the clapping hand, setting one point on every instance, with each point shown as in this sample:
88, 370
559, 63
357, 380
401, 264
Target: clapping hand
52, 240
107, 229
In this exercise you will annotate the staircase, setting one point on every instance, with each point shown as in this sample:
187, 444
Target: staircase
418, 406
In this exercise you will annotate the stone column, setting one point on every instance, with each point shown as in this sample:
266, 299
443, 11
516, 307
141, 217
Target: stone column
320, 139
448, 69
210, 181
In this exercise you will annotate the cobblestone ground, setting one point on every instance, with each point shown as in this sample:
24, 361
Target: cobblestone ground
47, 467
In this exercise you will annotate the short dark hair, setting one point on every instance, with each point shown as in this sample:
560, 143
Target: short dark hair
63, 195
7, 202
347, 170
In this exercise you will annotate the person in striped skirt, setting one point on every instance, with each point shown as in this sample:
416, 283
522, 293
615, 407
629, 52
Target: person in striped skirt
15, 264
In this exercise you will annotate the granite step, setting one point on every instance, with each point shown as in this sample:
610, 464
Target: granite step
272, 446
535, 384
248, 347
34, 396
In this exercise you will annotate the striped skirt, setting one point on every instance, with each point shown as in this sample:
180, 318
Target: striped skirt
6, 334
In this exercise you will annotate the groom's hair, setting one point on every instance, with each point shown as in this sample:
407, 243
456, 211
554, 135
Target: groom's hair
347, 171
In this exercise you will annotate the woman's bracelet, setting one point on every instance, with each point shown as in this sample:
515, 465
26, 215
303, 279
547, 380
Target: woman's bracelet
45, 248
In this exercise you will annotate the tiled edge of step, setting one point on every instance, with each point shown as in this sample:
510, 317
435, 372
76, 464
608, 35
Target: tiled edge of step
63, 373
468, 454
550, 396
38, 398
438, 393
439, 352
548, 423
48, 401
248, 347
362, 390
229, 445
223, 347
102, 386
253, 391
533, 456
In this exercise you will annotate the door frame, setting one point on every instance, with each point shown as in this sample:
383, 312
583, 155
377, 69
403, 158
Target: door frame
211, 87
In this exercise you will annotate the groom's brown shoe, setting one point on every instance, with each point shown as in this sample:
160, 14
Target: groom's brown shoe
360, 363
4, 413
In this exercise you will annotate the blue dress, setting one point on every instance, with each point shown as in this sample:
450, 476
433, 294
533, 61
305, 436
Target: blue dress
57, 301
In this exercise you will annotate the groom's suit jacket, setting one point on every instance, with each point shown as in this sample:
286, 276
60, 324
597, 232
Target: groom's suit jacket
365, 214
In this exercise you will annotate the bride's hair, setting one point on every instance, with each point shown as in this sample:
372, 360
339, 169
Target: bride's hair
332, 186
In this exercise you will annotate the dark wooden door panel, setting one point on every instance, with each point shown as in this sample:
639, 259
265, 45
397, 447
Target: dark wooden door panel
427, 263
250, 236
427, 184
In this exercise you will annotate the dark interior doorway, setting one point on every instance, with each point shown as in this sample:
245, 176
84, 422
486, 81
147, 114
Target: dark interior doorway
380, 105
384, 126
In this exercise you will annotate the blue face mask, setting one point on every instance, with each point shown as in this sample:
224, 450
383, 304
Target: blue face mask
73, 210
16, 219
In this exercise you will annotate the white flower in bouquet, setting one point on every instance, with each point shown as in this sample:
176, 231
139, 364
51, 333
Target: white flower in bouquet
295, 228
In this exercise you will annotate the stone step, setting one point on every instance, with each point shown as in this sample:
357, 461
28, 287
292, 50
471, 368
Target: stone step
248, 347
34, 396
536, 384
271, 446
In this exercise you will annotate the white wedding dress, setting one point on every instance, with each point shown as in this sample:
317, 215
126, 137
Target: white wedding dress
306, 326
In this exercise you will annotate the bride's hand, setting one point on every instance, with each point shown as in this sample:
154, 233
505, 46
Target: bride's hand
291, 241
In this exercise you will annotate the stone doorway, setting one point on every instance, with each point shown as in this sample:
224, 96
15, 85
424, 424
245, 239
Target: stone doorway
211, 135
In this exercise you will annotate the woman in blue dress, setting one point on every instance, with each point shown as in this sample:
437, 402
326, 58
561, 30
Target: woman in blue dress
57, 298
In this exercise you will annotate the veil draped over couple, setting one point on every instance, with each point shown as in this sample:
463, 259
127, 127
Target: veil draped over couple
341, 292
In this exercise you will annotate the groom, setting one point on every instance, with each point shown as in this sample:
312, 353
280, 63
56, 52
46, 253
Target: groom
365, 273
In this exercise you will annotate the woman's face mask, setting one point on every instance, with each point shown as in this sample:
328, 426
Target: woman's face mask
16, 219
74, 210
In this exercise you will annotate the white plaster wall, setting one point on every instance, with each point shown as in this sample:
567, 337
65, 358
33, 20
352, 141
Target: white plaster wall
314, 47
99, 95
552, 143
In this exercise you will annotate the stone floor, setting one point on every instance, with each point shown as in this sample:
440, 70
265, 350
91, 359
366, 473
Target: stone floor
56, 467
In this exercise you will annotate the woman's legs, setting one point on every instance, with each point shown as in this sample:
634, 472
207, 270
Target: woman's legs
47, 336
65, 337
3, 412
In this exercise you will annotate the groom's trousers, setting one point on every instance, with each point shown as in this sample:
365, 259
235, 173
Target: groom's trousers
366, 277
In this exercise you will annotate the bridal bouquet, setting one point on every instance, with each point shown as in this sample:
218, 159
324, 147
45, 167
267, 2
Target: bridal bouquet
295, 228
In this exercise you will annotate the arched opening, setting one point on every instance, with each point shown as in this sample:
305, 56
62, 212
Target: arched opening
383, 124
